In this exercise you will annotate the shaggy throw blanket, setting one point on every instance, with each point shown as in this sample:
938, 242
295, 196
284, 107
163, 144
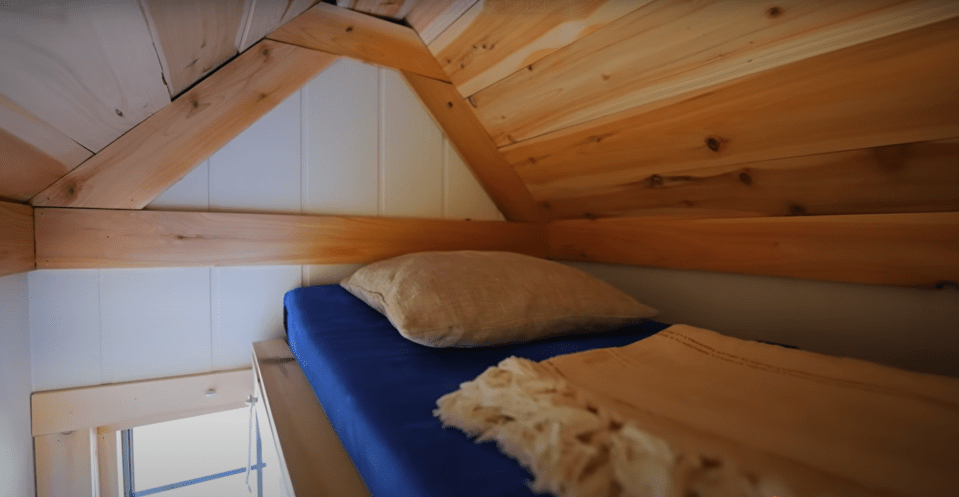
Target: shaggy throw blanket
689, 412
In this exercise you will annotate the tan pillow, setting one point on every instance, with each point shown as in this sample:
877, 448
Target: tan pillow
475, 299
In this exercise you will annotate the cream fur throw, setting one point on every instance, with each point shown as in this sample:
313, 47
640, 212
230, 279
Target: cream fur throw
690, 412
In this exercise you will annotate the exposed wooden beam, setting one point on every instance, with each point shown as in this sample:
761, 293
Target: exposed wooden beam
16, 238
126, 405
301, 430
151, 157
430, 18
85, 238
24, 169
344, 32
469, 137
66, 463
892, 249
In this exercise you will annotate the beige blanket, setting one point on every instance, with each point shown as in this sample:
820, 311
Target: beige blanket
689, 412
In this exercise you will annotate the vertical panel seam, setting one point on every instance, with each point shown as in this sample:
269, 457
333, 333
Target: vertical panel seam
212, 304
100, 321
381, 142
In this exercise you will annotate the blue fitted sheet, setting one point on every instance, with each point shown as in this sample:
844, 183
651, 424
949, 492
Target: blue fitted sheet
379, 391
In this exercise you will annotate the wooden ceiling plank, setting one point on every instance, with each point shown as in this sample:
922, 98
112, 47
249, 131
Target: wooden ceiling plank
20, 123
16, 238
467, 135
888, 249
430, 18
91, 238
898, 89
666, 49
196, 37
915, 177
88, 69
24, 170
267, 15
499, 37
143, 163
344, 32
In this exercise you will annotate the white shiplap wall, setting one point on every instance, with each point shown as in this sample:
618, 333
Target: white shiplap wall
16, 444
354, 141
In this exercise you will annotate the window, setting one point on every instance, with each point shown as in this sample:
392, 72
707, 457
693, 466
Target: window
200, 456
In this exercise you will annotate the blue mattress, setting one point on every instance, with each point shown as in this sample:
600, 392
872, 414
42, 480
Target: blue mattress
379, 391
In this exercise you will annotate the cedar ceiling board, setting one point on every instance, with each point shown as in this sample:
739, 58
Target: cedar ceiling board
193, 38
915, 177
24, 170
91, 238
143, 163
898, 89
268, 15
88, 69
665, 49
496, 38
889, 249
430, 18
467, 135
340, 31
16, 238
21, 124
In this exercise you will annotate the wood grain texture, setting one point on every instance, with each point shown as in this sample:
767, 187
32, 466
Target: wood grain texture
143, 163
66, 463
343, 32
193, 38
889, 249
16, 238
898, 89
36, 132
665, 49
25, 170
313, 460
87, 68
108, 464
129, 404
915, 177
85, 238
475, 147
432, 17
267, 15
496, 38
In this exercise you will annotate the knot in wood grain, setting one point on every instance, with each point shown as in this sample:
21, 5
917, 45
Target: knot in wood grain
774, 12
655, 180
714, 143
745, 178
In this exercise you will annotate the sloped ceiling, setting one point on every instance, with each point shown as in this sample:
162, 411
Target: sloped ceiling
580, 109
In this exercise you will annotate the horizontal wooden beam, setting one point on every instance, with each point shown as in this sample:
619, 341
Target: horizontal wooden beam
470, 139
344, 32
892, 249
16, 238
84, 238
148, 159
126, 405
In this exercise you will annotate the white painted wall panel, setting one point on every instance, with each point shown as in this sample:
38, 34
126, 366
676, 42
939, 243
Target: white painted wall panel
156, 322
65, 328
350, 139
412, 153
903, 327
192, 193
16, 445
464, 197
247, 307
340, 129
259, 170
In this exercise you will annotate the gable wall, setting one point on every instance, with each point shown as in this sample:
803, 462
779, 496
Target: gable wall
353, 141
